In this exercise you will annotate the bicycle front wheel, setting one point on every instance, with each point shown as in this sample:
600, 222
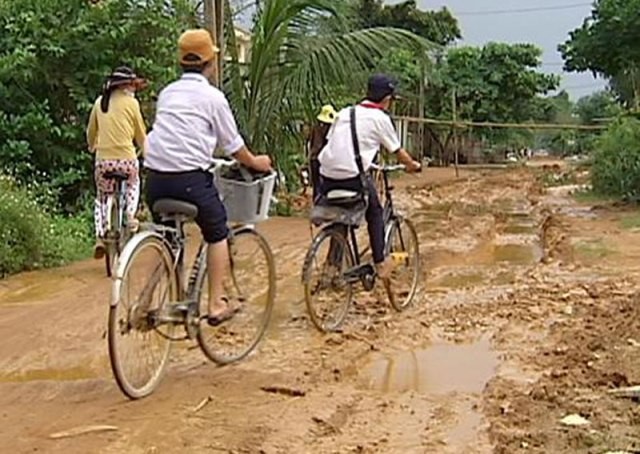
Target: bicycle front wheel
403, 248
138, 349
251, 285
327, 292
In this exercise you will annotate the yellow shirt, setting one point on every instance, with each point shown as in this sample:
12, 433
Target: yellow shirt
111, 134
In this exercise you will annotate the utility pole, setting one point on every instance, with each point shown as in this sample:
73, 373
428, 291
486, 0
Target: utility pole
456, 145
421, 108
214, 23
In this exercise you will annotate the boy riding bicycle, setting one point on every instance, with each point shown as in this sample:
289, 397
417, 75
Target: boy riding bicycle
339, 168
193, 119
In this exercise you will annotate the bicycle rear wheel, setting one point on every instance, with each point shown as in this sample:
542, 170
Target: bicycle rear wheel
252, 285
403, 248
327, 292
138, 350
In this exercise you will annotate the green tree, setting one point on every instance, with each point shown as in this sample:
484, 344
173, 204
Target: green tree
598, 106
439, 26
54, 55
607, 44
497, 83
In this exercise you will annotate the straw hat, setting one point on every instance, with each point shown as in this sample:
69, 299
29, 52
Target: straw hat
196, 47
328, 114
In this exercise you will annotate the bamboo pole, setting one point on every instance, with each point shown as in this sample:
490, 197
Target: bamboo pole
487, 124
214, 23
454, 123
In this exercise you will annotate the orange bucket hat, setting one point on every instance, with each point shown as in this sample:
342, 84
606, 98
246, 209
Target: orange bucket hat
196, 47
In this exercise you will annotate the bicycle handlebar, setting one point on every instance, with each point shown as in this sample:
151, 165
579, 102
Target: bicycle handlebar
218, 162
388, 168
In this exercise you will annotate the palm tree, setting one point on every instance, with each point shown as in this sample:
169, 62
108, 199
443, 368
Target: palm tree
297, 62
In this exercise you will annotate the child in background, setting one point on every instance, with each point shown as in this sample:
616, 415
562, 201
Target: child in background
317, 141
114, 124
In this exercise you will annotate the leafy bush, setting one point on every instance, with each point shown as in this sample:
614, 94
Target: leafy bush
616, 161
31, 238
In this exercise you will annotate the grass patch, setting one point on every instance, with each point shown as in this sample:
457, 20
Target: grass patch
589, 196
561, 178
593, 249
631, 221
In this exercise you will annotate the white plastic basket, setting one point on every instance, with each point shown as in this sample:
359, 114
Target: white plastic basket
246, 202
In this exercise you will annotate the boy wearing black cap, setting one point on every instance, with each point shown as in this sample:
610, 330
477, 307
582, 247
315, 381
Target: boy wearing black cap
338, 165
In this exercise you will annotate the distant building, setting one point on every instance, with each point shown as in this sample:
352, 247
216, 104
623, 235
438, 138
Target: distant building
243, 45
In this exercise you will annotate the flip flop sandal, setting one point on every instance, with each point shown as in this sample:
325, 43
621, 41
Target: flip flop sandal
228, 314
99, 251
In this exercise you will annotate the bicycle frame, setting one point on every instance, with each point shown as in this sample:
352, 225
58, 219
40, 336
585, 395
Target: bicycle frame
388, 215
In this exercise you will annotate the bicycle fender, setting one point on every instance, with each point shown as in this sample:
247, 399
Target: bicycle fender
125, 255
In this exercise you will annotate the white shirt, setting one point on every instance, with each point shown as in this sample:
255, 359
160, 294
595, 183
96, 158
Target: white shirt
193, 118
374, 129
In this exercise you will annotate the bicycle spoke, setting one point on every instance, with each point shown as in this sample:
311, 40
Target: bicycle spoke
138, 352
328, 293
251, 285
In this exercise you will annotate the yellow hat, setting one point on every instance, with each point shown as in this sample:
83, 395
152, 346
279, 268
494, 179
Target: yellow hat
328, 114
196, 47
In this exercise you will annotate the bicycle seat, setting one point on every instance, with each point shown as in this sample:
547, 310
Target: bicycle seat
115, 175
171, 208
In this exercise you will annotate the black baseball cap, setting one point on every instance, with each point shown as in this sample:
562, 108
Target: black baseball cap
380, 86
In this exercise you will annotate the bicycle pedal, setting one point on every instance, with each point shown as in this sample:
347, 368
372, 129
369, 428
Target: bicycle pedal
399, 258
180, 309
358, 272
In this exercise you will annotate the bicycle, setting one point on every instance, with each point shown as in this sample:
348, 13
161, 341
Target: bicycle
158, 253
342, 267
117, 232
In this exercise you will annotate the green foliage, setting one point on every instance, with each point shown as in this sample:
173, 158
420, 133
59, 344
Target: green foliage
498, 82
54, 55
616, 163
298, 64
439, 26
598, 106
32, 238
607, 44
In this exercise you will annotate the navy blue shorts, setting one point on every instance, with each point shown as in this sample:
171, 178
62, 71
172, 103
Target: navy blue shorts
194, 187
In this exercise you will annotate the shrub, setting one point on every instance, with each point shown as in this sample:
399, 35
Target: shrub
616, 161
32, 238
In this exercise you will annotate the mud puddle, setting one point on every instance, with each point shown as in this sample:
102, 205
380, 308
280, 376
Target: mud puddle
71, 374
436, 370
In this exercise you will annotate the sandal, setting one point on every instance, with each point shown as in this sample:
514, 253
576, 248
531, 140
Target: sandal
99, 250
224, 316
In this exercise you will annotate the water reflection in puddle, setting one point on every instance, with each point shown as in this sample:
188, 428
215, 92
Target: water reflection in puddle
71, 374
517, 253
439, 369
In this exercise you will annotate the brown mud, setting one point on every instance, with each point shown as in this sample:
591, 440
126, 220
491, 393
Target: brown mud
527, 313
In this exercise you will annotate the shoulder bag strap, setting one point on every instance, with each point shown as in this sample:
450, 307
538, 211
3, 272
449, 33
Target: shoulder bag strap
356, 148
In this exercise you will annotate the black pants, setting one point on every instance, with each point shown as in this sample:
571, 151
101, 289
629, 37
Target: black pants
194, 187
314, 177
373, 215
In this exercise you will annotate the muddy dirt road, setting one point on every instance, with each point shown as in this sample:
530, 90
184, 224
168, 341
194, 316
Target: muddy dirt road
528, 313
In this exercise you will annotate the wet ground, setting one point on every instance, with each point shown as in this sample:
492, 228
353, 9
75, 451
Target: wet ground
527, 313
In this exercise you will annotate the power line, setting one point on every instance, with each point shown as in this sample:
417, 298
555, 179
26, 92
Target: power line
522, 10
577, 87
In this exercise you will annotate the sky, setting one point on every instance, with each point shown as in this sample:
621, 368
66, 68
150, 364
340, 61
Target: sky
480, 23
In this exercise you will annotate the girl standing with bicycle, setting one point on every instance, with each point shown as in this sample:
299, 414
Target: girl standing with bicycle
114, 124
